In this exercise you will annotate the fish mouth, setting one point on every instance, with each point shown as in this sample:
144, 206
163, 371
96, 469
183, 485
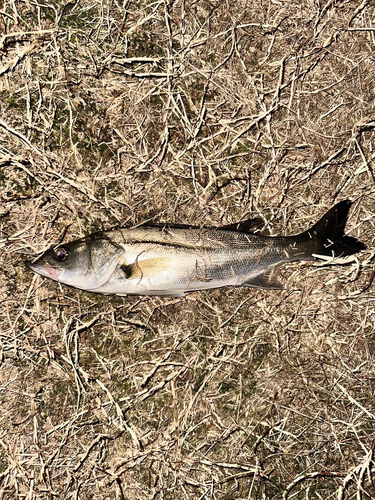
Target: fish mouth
31, 265
43, 269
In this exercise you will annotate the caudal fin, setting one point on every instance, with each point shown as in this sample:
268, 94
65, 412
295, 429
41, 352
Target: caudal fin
327, 236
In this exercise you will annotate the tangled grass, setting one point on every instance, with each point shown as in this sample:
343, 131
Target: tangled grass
205, 112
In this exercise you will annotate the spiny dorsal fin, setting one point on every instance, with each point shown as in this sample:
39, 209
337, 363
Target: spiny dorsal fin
246, 226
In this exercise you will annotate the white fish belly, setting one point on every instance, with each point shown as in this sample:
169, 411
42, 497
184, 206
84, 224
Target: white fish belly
167, 271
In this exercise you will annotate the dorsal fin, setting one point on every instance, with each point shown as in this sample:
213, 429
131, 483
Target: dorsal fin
246, 226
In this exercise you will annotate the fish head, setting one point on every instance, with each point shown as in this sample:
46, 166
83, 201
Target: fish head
86, 264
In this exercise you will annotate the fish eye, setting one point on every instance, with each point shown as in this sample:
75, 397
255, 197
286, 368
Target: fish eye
60, 254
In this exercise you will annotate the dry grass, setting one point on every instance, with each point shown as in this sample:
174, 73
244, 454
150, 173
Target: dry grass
207, 112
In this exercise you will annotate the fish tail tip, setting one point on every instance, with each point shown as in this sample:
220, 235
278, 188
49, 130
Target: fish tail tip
329, 232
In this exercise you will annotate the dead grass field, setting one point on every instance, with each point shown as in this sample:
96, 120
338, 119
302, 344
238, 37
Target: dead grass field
206, 112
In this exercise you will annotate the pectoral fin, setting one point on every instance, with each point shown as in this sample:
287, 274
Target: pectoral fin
267, 279
148, 268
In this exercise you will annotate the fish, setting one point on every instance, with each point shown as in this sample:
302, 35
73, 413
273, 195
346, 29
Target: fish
172, 259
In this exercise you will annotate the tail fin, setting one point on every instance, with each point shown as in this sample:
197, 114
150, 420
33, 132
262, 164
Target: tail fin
327, 236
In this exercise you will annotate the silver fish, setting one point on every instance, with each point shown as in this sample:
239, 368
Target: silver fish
171, 260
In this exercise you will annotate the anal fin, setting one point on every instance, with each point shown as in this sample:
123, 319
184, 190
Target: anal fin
267, 279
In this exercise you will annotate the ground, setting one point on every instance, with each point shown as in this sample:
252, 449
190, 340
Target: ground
206, 112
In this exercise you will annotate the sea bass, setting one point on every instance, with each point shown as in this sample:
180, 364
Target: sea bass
171, 260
